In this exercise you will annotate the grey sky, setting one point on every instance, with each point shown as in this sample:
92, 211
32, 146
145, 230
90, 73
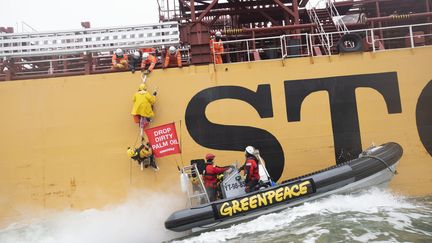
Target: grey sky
46, 15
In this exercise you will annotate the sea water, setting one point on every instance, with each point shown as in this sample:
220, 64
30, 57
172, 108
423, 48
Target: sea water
374, 215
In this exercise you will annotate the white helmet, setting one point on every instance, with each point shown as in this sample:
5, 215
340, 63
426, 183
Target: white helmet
145, 56
136, 55
218, 34
172, 50
250, 150
119, 52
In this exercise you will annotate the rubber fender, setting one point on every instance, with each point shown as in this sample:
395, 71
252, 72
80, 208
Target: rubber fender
350, 43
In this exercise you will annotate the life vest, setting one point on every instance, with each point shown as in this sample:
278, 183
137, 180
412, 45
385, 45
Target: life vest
115, 59
216, 47
210, 174
151, 60
173, 59
252, 165
142, 153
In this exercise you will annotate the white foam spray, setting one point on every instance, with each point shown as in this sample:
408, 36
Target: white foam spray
140, 219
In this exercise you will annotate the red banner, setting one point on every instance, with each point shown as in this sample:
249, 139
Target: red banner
163, 140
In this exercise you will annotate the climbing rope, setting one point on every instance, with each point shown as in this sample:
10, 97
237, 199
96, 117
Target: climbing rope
136, 140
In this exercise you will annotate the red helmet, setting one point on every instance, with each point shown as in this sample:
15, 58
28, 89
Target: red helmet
210, 156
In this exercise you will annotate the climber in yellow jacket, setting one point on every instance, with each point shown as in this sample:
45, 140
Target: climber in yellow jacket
142, 109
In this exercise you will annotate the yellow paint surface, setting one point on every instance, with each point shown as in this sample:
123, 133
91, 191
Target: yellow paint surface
63, 140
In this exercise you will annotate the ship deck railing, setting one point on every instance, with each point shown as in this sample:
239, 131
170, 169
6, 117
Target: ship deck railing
63, 65
243, 50
306, 44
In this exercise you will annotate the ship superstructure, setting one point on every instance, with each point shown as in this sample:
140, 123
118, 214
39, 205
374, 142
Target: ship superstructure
253, 30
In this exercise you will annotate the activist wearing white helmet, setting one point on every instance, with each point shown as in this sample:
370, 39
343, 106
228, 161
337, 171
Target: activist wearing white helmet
172, 50
250, 150
119, 52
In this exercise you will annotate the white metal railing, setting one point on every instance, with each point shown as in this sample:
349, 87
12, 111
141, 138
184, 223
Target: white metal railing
100, 62
280, 46
276, 47
336, 17
193, 185
369, 37
290, 50
88, 40
370, 33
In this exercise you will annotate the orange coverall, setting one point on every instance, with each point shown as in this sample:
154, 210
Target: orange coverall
171, 59
216, 49
116, 61
151, 60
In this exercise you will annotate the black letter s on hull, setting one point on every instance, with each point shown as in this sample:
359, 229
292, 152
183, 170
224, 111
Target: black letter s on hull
235, 138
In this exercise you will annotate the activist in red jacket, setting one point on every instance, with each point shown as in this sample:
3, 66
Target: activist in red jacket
251, 170
210, 177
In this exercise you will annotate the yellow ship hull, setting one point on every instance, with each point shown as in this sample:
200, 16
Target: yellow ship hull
64, 140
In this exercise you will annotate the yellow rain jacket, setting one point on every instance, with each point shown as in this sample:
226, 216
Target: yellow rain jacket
143, 102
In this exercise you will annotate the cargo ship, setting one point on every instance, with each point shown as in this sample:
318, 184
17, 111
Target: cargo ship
309, 84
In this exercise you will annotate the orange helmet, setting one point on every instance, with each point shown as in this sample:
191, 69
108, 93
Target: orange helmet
210, 156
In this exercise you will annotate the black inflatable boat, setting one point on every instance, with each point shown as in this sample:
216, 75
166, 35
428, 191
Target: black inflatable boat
374, 166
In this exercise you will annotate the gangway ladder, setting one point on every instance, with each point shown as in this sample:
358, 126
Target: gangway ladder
195, 189
323, 36
327, 39
334, 14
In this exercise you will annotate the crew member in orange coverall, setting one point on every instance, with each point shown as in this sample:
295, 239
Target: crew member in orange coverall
119, 60
172, 57
216, 48
148, 62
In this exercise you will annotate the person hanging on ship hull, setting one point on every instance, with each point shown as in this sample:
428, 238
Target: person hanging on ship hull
143, 155
142, 110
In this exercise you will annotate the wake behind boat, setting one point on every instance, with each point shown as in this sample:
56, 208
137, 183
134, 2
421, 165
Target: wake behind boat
374, 166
